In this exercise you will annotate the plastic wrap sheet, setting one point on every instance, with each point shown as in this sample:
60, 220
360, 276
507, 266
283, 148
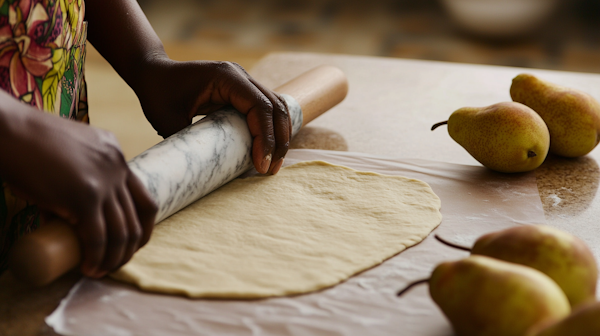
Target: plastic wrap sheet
474, 201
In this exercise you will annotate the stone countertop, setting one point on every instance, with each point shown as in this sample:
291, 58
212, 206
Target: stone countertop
390, 108
392, 104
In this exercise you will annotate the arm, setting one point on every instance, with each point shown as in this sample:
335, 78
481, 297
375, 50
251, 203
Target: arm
77, 172
172, 93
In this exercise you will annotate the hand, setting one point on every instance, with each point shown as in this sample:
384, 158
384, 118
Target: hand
78, 173
172, 93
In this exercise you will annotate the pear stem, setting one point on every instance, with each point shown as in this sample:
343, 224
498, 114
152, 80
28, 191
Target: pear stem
531, 154
456, 246
411, 285
439, 124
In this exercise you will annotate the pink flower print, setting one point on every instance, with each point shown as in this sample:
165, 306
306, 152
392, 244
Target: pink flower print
20, 52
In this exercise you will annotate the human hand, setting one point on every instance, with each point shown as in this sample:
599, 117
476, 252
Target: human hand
172, 93
77, 172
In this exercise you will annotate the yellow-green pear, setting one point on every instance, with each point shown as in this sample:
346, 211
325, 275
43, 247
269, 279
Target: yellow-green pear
482, 296
582, 322
507, 137
560, 255
572, 116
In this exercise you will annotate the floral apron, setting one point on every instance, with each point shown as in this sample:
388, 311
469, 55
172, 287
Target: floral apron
42, 52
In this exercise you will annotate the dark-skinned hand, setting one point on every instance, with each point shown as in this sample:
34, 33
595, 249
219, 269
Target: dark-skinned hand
77, 172
172, 93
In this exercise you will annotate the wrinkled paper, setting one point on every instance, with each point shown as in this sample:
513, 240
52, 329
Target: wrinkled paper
475, 201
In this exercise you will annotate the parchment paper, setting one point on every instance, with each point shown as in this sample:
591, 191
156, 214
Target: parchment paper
474, 201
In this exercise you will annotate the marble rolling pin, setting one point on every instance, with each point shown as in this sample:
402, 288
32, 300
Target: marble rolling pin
183, 168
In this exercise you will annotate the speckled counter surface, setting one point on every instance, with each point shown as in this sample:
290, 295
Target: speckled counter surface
392, 104
389, 110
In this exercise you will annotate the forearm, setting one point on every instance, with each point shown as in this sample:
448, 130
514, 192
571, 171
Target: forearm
120, 31
14, 120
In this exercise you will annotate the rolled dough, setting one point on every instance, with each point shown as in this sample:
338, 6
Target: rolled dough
309, 227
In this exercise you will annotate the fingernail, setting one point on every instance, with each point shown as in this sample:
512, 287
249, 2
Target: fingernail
266, 163
277, 166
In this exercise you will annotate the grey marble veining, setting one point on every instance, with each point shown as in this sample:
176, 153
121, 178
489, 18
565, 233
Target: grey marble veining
200, 158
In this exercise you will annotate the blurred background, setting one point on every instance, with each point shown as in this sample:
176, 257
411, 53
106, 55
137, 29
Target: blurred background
550, 34
547, 34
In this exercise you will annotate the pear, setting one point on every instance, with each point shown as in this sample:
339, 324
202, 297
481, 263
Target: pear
560, 255
482, 296
582, 322
506, 137
572, 116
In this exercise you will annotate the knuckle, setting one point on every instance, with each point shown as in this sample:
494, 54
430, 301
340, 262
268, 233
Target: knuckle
282, 110
282, 149
114, 156
110, 149
278, 107
237, 65
269, 139
118, 239
93, 243
226, 66
240, 68
90, 191
135, 235
283, 106
108, 138
267, 106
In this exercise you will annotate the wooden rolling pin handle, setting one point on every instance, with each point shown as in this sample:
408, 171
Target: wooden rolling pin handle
51, 251
44, 255
317, 90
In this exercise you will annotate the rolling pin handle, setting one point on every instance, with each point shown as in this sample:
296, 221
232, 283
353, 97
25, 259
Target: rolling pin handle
317, 90
45, 255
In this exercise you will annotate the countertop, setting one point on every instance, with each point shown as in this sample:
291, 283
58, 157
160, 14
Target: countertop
392, 104
390, 108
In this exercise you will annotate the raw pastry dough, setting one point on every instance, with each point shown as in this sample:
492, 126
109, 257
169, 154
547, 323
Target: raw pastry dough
310, 226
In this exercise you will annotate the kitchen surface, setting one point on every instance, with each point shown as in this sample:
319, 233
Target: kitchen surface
409, 66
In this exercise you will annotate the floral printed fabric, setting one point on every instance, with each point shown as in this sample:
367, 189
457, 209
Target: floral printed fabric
42, 51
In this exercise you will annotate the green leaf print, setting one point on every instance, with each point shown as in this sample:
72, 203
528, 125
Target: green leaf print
4, 8
52, 79
68, 89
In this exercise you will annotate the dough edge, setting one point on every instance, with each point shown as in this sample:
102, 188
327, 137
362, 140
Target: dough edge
151, 285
